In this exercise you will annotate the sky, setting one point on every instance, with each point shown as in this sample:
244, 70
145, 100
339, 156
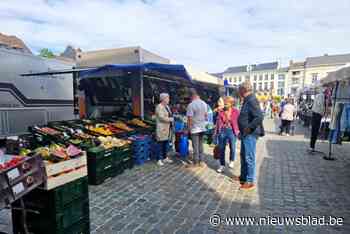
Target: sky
210, 35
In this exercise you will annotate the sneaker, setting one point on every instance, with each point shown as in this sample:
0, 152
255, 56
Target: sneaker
287, 134
247, 186
231, 164
221, 169
160, 163
202, 164
168, 160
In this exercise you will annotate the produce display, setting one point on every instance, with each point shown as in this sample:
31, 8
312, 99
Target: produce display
104, 129
56, 153
111, 142
138, 122
8, 161
123, 126
47, 130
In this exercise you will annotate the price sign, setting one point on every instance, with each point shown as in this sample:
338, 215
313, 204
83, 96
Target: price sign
13, 174
18, 188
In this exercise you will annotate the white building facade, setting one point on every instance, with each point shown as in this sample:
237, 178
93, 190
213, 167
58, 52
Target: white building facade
266, 78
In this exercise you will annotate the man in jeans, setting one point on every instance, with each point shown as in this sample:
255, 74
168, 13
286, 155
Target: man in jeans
197, 113
250, 126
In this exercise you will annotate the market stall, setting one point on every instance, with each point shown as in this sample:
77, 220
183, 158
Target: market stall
339, 82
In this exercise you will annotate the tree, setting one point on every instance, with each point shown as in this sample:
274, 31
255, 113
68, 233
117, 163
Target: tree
46, 53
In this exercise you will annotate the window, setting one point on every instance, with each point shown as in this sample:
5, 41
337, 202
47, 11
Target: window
266, 76
295, 81
272, 76
314, 77
240, 79
260, 86
281, 77
255, 77
280, 92
281, 84
254, 86
235, 79
261, 77
295, 73
266, 86
247, 77
272, 84
230, 79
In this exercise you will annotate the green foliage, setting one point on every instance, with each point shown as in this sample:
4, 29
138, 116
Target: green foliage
46, 53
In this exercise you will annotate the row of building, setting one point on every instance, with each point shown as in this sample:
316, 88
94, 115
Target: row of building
271, 78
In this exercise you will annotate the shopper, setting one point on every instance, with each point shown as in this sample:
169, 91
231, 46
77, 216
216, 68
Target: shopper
197, 120
164, 121
318, 111
287, 116
251, 127
227, 131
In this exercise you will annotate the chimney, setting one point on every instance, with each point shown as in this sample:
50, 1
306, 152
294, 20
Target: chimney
290, 62
325, 55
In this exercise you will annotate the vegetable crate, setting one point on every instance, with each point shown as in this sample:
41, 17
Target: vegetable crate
64, 209
17, 180
106, 163
64, 172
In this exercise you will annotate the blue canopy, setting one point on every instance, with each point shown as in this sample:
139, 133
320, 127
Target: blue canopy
113, 69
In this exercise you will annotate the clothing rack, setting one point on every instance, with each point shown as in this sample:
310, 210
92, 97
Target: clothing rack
335, 99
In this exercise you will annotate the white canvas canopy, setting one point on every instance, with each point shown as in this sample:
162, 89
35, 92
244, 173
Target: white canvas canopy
204, 77
340, 74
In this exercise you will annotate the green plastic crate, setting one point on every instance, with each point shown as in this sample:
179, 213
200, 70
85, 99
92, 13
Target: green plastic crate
99, 178
58, 198
51, 220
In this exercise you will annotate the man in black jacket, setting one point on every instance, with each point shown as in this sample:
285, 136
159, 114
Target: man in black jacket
251, 127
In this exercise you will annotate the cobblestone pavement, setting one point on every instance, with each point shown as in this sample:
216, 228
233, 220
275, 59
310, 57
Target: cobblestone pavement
178, 199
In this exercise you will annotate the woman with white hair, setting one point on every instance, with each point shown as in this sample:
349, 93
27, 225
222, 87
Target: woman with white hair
164, 120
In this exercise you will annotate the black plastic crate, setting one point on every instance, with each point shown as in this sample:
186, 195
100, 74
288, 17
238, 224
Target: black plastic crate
72, 222
99, 178
128, 164
58, 198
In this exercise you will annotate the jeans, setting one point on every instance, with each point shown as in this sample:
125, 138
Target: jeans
225, 135
197, 144
248, 155
163, 148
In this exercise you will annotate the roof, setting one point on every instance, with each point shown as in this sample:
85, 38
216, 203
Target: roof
253, 67
218, 75
283, 69
328, 60
13, 42
237, 69
125, 55
296, 65
264, 66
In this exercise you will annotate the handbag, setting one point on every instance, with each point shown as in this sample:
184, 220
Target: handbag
216, 152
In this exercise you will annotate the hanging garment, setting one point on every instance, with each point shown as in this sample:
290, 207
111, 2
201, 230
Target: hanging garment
336, 114
335, 133
343, 91
345, 118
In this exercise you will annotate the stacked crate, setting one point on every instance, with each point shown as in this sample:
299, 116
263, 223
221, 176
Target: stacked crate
141, 148
63, 210
107, 163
